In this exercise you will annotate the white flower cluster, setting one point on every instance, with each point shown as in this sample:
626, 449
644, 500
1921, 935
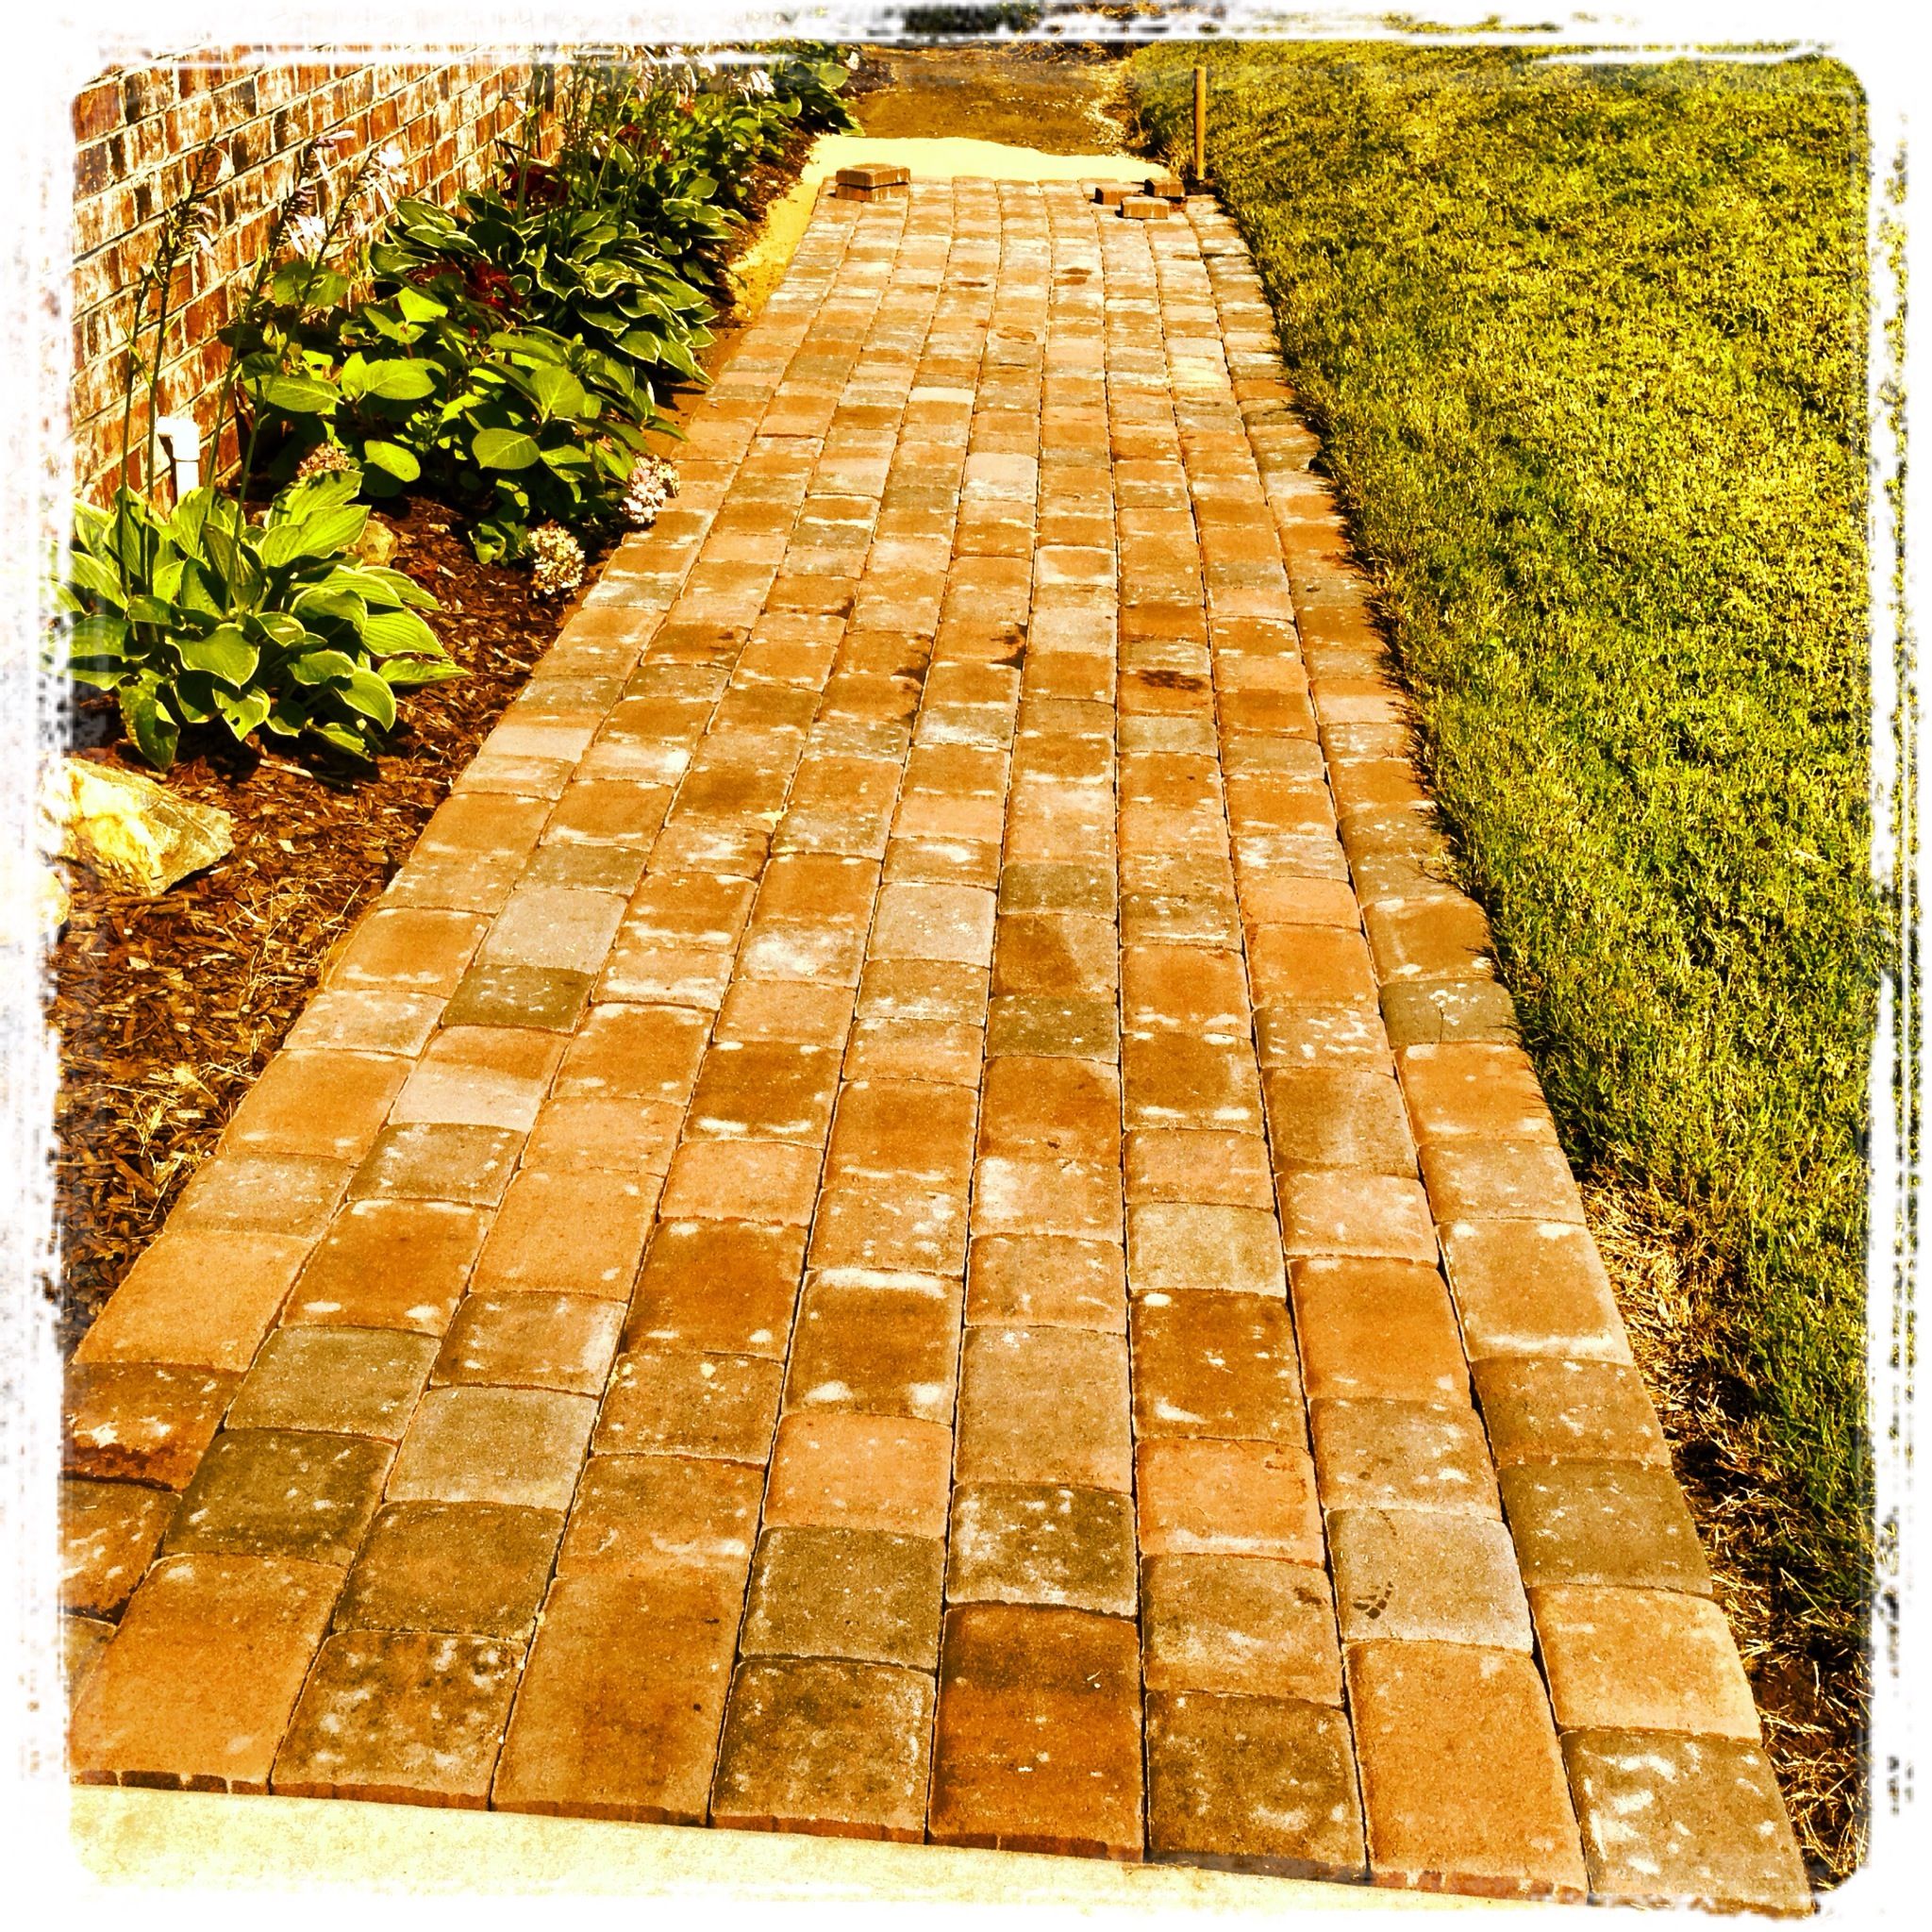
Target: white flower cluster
325, 459
653, 484
755, 84
557, 561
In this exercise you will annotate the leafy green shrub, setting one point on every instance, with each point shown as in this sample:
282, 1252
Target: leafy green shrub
212, 615
517, 425
504, 351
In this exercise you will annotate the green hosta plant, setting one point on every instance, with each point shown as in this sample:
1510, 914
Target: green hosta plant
583, 273
267, 625
518, 426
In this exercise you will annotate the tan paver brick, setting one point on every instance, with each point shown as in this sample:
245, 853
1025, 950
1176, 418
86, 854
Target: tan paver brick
485, 1076
883, 1232
1426, 1576
876, 1350
1046, 1281
1532, 1288
1042, 1544
198, 1683
1217, 1366
347, 1381
1227, 1499
1186, 1247
637, 1514
1206, 1168
141, 1421
717, 1287
1247, 1626
1603, 1522
1038, 1741
1044, 1406
521, 1446
1500, 1180
1684, 1820
1401, 1456
1542, 1409
109, 1535
1340, 1212
823, 1745
534, 1341
869, 1595
474, 1568
196, 1298
770, 1181
1640, 1660
568, 1234
469, 1165
860, 1472
327, 1105
621, 1698
1260, 1784
391, 1264
295, 1494
690, 1403
1463, 1784
408, 1716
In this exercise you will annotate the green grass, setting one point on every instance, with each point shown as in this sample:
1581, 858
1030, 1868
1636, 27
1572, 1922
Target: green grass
1587, 347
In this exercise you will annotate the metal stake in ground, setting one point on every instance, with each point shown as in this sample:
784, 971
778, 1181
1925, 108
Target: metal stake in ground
1200, 126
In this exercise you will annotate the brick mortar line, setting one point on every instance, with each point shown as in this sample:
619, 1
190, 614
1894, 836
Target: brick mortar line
845, 230
1269, 1134
854, 226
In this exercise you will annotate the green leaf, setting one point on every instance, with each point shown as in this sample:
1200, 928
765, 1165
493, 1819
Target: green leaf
154, 732
395, 379
371, 697
403, 674
91, 577
318, 667
274, 627
558, 394
386, 633
326, 535
343, 739
504, 449
97, 637
391, 459
185, 526
327, 604
242, 714
226, 654
297, 395
414, 306
238, 578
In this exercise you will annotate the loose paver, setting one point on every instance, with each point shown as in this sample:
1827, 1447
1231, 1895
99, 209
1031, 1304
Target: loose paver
920, 1214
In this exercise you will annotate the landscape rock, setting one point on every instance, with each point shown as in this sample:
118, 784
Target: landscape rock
136, 835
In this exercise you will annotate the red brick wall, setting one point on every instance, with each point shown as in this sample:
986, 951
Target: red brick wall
136, 131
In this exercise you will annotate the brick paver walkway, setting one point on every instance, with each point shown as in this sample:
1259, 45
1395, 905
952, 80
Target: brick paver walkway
858, 1242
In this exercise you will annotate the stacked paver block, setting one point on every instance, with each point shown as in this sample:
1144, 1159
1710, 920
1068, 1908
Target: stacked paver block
856, 1245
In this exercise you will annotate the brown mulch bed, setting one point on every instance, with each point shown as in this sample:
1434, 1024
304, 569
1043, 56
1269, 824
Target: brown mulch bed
169, 1009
